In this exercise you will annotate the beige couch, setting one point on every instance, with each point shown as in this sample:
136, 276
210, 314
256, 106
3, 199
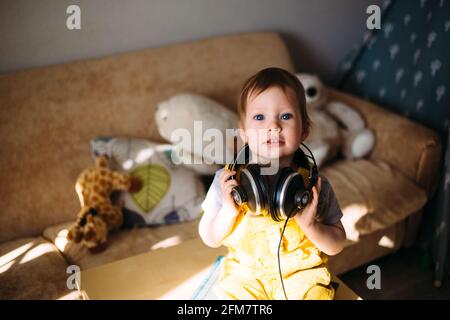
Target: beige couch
48, 116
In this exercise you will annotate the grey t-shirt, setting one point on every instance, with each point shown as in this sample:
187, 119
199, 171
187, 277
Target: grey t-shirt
328, 209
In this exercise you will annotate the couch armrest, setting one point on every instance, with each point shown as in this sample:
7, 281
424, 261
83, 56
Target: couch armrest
413, 149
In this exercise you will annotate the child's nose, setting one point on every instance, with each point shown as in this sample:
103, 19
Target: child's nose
274, 126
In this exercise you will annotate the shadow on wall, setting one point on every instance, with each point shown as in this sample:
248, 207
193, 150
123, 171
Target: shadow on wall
306, 58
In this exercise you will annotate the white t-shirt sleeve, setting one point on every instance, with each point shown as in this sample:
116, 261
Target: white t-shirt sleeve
213, 199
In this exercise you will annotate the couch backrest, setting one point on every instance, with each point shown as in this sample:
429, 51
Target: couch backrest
49, 115
411, 148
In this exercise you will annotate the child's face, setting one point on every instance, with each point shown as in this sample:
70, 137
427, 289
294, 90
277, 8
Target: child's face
272, 124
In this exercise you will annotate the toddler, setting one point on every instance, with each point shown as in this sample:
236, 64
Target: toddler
273, 122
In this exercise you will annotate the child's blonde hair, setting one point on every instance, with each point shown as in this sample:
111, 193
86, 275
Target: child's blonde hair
275, 77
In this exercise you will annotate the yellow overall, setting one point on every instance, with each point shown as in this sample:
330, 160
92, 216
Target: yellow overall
250, 270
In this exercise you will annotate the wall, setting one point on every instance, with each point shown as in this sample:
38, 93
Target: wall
33, 33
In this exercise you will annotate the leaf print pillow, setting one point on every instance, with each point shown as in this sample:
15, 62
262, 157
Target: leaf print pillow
170, 193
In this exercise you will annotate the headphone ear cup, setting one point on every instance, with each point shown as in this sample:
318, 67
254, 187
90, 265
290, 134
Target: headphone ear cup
265, 189
278, 182
260, 189
291, 194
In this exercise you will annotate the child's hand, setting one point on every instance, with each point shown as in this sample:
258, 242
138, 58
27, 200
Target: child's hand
226, 187
307, 218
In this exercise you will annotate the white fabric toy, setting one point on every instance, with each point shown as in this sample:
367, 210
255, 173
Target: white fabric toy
335, 125
197, 127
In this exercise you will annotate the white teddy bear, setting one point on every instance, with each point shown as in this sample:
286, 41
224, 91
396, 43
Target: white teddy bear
335, 125
197, 127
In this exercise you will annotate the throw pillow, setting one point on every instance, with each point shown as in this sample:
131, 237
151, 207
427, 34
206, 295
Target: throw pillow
169, 193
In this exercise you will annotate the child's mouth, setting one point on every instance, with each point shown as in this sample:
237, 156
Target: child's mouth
275, 142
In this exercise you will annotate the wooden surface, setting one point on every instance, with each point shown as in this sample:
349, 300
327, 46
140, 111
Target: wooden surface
170, 273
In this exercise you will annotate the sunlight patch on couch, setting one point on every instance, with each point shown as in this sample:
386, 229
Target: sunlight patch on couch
168, 242
14, 254
352, 214
386, 242
36, 252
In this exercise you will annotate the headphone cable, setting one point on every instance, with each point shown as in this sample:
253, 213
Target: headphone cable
279, 263
311, 154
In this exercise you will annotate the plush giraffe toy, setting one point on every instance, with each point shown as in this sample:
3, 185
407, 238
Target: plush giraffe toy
98, 216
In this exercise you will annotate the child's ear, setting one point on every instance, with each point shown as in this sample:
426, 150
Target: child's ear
305, 134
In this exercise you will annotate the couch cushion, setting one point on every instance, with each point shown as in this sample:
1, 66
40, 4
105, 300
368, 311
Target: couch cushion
32, 268
372, 195
368, 248
122, 244
412, 148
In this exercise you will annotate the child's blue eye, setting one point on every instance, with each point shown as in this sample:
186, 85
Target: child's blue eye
259, 117
286, 116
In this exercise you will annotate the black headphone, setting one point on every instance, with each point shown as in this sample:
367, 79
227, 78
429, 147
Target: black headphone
290, 191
